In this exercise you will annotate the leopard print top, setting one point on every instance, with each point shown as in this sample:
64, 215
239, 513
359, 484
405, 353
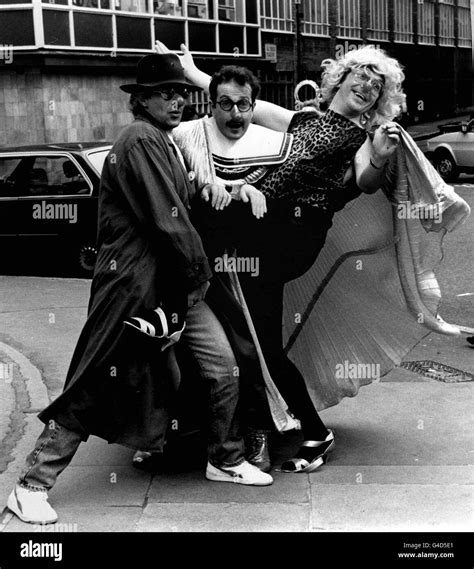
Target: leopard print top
323, 149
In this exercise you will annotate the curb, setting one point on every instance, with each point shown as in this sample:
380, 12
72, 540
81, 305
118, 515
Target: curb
35, 387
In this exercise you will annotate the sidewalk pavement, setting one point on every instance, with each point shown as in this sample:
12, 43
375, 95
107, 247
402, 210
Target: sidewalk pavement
403, 457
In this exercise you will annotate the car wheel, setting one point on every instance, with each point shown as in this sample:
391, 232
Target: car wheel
446, 166
87, 256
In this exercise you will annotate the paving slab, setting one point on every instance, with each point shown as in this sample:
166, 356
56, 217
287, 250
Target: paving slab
193, 487
7, 396
401, 424
44, 313
78, 519
225, 517
453, 351
357, 474
7, 482
100, 486
390, 507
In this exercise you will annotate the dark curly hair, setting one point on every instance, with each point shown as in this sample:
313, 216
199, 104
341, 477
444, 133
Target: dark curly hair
241, 75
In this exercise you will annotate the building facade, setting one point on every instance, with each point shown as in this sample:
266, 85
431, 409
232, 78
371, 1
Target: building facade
61, 61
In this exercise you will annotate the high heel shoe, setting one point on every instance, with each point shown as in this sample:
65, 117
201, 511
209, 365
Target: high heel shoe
311, 455
148, 461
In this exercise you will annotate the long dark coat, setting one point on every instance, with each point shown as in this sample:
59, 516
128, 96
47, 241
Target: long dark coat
118, 386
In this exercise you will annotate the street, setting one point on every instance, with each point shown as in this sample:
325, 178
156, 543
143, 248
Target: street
403, 460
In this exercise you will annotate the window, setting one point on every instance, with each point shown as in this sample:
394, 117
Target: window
426, 28
132, 32
16, 28
348, 18
446, 23
230, 10
464, 24
404, 21
316, 20
8, 186
200, 101
42, 176
102, 4
131, 5
378, 20
168, 7
56, 27
93, 30
276, 15
199, 9
65, 2
97, 159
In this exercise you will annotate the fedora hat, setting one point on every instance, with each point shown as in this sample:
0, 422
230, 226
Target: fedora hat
158, 69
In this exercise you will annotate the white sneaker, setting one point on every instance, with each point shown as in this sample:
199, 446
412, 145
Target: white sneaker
244, 473
31, 506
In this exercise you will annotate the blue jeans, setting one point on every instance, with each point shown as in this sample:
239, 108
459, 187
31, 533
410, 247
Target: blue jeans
207, 341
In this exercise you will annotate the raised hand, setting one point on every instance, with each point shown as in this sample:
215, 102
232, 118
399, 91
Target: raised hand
186, 59
386, 139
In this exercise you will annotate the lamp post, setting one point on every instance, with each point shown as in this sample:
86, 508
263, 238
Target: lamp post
299, 12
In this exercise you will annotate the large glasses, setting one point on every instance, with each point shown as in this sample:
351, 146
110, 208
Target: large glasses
376, 85
227, 104
168, 94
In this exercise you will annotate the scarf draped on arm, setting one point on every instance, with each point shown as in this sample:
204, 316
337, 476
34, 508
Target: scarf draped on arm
372, 293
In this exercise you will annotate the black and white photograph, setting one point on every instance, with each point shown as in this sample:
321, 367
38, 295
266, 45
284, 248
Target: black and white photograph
236, 284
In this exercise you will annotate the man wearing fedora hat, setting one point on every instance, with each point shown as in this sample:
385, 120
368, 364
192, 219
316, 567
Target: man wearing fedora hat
120, 383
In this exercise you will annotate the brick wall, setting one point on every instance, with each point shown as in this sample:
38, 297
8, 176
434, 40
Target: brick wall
38, 107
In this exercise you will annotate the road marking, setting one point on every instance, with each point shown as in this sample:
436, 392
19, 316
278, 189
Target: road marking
37, 392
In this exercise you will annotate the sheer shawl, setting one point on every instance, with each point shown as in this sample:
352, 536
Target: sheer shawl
372, 294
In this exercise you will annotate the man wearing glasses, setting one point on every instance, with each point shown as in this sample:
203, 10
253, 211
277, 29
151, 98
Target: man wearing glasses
150, 255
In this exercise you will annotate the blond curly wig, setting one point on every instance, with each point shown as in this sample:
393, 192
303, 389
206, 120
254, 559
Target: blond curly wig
391, 102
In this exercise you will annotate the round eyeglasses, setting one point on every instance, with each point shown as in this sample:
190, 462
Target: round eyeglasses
168, 94
376, 85
227, 104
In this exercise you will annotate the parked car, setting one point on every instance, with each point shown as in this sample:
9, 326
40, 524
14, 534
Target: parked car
452, 151
48, 194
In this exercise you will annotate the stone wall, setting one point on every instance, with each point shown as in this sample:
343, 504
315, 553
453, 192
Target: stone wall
37, 107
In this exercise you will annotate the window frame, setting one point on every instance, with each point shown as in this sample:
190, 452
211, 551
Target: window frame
464, 41
426, 22
313, 27
354, 10
374, 30
286, 18
402, 16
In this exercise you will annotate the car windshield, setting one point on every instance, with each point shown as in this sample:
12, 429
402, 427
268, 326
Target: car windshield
97, 158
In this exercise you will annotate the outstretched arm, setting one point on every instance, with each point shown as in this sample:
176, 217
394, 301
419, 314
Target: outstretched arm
265, 114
